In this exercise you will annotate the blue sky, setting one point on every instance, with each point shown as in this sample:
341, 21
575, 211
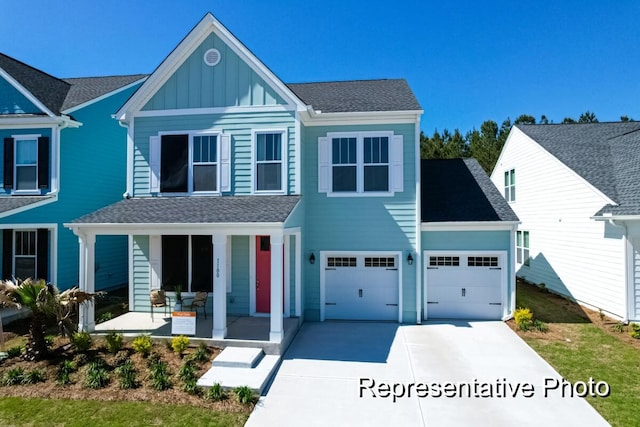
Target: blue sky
467, 61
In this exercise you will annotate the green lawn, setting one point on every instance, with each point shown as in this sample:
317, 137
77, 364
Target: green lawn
15, 411
581, 350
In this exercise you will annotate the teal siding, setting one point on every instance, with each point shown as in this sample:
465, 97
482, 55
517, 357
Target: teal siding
231, 83
13, 102
7, 133
141, 274
358, 223
93, 175
238, 125
238, 298
498, 240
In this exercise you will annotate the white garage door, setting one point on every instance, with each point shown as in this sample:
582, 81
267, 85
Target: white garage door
361, 287
464, 285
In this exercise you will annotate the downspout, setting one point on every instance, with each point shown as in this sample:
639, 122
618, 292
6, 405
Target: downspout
129, 189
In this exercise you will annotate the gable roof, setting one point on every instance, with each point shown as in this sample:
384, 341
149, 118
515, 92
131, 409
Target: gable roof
458, 190
58, 95
606, 155
357, 96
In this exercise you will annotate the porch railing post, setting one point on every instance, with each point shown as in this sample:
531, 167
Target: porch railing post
86, 320
276, 333
219, 286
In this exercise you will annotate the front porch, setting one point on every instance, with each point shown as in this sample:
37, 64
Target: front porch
242, 331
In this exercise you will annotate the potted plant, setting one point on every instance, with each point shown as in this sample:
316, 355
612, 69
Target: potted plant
178, 305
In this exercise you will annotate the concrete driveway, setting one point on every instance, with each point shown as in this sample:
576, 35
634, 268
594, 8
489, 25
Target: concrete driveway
441, 374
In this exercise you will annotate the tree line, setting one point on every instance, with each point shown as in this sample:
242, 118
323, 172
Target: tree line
485, 144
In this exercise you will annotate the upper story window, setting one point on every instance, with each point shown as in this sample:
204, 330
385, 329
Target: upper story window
360, 164
190, 163
269, 169
510, 185
26, 164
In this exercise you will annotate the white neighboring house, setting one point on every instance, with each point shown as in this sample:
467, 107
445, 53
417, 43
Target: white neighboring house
576, 190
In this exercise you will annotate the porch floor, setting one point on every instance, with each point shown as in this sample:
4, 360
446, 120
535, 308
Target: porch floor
242, 331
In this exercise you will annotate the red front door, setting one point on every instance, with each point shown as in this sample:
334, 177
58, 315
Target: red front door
263, 274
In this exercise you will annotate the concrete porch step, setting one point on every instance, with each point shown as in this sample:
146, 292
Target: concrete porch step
250, 368
238, 357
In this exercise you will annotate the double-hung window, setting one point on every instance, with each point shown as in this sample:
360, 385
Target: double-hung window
522, 247
360, 163
25, 254
190, 163
26, 164
269, 157
510, 185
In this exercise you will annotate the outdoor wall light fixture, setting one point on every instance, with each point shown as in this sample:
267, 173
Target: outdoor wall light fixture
410, 259
312, 258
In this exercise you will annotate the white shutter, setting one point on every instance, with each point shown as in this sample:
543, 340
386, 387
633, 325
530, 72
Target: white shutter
228, 263
324, 169
396, 164
154, 164
225, 162
155, 262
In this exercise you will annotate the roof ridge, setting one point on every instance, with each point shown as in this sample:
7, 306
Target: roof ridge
105, 77
346, 81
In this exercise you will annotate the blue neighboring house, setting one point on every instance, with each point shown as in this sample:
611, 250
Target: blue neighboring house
279, 199
63, 156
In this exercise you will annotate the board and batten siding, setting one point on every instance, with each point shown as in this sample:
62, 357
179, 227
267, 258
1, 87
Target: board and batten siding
238, 298
358, 223
239, 126
141, 273
230, 83
569, 252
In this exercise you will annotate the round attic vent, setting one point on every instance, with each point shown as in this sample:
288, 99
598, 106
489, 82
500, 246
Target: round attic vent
212, 57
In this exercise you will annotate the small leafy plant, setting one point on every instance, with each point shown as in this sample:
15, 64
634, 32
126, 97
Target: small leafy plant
216, 393
66, 368
34, 376
187, 371
14, 351
540, 326
160, 376
523, 318
245, 395
114, 342
127, 375
202, 353
635, 330
97, 375
81, 341
13, 376
619, 327
104, 317
80, 359
191, 387
180, 344
142, 345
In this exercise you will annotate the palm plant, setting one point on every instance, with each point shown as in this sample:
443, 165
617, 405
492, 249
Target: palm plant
45, 302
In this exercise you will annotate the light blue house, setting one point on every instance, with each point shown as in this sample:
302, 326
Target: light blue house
62, 156
280, 200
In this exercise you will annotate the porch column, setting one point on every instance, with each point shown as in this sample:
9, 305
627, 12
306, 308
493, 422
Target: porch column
219, 287
86, 320
276, 333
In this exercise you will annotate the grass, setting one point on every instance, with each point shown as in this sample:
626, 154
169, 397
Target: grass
580, 349
16, 411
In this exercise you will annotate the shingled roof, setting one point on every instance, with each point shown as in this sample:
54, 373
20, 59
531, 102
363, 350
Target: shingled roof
10, 203
607, 155
57, 94
357, 96
459, 190
194, 210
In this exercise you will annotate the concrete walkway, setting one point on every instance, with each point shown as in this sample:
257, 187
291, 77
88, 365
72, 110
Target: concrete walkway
326, 378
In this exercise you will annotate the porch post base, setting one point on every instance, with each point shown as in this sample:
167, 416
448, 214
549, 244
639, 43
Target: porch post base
276, 336
219, 334
87, 327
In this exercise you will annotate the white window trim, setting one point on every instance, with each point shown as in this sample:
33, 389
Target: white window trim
212, 132
510, 173
359, 164
284, 163
521, 248
34, 256
16, 139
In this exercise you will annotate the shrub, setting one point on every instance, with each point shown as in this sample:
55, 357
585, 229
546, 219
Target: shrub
635, 330
65, 370
34, 376
190, 387
13, 376
160, 376
114, 341
216, 393
142, 345
202, 353
540, 326
80, 359
523, 318
81, 341
97, 375
245, 395
127, 375
14, 351
179, 344
619, 327
187, 371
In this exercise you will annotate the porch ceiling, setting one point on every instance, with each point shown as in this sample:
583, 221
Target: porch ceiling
192, 210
